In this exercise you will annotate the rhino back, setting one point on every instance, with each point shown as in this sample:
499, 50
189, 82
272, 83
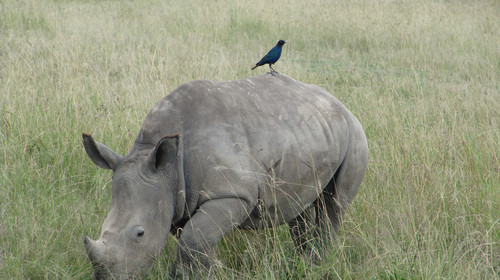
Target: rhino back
246, 137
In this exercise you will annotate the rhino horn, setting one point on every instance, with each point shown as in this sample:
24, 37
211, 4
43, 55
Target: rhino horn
94, 249
95, 252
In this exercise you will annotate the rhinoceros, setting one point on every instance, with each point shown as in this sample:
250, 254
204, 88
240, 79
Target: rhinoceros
214, 156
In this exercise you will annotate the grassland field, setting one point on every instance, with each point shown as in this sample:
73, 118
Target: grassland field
422, 76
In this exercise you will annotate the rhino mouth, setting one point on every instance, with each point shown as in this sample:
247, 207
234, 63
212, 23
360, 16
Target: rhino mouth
103, 269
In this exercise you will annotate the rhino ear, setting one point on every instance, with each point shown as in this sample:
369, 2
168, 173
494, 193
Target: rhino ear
164, 153
101, 155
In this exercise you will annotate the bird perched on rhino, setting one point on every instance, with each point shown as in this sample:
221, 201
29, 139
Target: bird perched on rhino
272, 56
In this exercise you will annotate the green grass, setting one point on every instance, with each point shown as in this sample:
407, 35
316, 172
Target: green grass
423, 77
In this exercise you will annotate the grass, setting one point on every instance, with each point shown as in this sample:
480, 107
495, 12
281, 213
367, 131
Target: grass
422, 76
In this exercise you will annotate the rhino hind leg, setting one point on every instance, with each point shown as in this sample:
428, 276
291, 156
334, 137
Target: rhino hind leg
341, 190
314, 230
305, 231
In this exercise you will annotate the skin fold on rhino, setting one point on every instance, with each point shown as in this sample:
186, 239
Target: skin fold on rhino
213, 156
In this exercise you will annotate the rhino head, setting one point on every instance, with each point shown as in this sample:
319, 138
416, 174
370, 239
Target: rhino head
142, 207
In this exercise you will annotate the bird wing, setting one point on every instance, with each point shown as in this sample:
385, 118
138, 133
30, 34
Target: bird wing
272, 56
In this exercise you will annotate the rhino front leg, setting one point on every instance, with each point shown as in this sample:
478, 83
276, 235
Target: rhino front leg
205, 229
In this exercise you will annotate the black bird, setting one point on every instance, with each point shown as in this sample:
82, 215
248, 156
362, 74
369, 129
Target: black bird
272, 56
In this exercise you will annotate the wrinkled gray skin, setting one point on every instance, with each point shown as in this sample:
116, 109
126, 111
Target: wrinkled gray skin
213, 156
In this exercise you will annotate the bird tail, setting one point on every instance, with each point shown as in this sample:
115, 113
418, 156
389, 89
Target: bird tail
254, 67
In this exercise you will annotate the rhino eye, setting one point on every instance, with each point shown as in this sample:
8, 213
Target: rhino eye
138, 232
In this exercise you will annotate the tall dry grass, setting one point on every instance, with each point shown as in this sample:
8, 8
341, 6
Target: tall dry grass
422, 76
